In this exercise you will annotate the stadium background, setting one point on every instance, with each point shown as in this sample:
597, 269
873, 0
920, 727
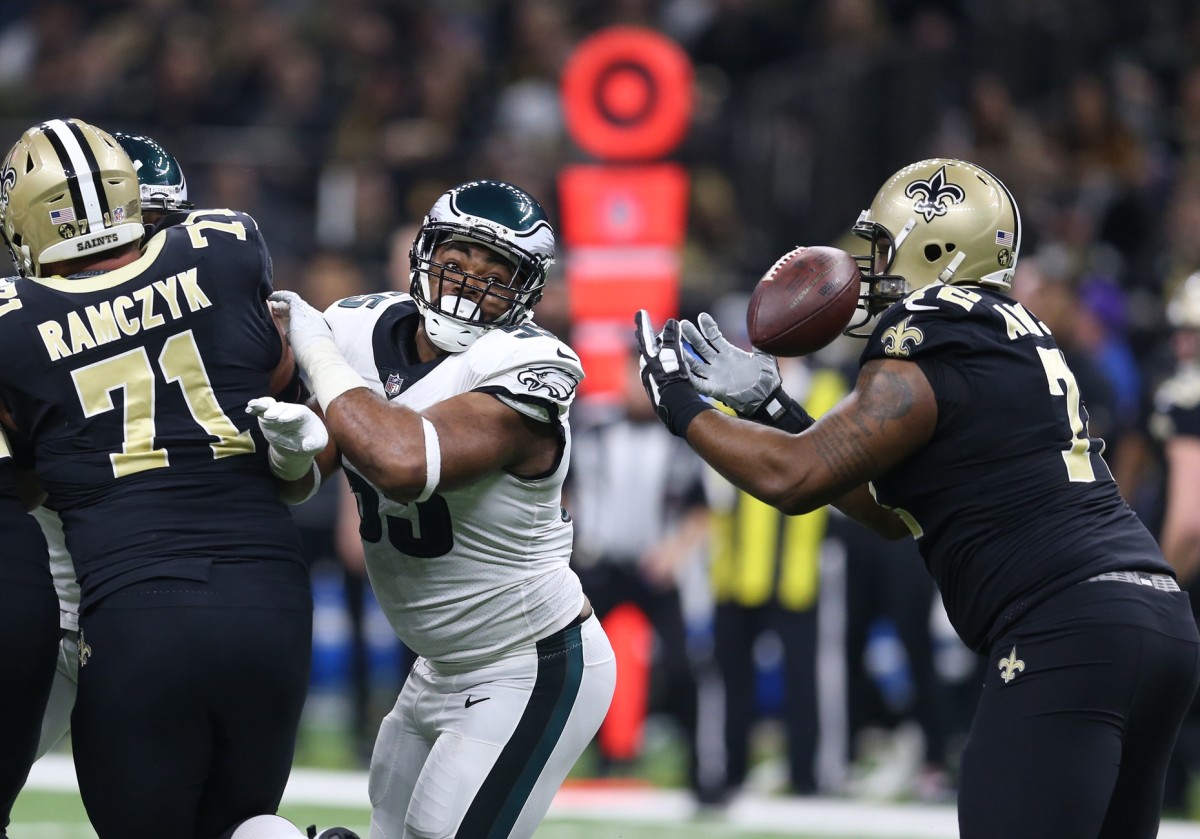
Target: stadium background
337, 122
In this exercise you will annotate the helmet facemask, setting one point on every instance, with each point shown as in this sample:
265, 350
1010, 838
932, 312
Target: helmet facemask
879, 289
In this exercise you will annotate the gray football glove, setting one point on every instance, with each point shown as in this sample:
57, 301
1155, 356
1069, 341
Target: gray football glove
742, 380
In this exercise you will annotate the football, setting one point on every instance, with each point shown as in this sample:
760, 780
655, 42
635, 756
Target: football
804, 301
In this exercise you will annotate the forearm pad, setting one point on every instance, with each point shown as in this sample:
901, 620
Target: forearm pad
329, 374
783, 412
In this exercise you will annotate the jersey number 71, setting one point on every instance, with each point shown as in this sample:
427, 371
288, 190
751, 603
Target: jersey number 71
131, 371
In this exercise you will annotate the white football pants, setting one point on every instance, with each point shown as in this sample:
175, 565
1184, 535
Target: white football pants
480, 751
57, 720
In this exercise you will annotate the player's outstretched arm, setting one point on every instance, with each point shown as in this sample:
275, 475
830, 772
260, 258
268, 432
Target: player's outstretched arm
410, 455
452, 444
890, 414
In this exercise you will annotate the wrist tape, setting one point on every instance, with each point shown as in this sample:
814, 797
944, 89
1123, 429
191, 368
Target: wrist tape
783, 412
681, 404
286, 470
433, 460
289, 466
329, 375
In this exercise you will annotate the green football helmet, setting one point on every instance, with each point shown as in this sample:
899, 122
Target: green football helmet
160, 177
499, 216
67, 190
939, 220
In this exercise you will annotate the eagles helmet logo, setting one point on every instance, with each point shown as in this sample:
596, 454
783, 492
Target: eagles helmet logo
896, 338
934, 195
556, 382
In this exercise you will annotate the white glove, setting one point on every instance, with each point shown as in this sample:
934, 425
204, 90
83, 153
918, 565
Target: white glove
329, 375
740, 379
295, 433
306, 327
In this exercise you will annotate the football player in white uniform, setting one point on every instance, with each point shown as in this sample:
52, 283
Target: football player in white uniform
448, 409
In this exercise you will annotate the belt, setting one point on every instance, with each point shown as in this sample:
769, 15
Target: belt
1162, 582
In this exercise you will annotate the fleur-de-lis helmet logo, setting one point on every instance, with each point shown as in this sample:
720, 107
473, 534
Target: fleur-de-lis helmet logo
934, 196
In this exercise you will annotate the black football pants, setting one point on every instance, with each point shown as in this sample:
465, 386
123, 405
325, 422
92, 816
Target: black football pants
735, 630
186, 717
29, 642
1075, 744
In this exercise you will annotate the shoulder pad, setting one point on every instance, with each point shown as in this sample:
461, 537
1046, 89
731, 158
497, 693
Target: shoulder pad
519, 346
217, 216
940, 316
528, 368
938, 301
362, 311
354, 321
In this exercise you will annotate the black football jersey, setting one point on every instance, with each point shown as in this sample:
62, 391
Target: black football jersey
23, 557
132, 387
1011, 499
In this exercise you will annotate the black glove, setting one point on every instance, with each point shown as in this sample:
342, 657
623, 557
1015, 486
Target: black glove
665, 376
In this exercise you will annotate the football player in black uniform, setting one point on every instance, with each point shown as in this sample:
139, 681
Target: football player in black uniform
966, 431
129, 366
28, 635
163, 191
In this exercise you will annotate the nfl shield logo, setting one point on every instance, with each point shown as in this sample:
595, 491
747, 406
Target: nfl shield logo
393, 385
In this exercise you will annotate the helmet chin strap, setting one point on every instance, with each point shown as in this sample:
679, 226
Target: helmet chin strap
447, 333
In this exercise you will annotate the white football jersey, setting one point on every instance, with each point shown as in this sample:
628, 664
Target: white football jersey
476, 571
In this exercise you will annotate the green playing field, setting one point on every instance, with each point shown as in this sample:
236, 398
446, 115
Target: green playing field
51, 815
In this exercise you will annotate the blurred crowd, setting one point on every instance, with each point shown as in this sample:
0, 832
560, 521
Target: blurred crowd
336, 123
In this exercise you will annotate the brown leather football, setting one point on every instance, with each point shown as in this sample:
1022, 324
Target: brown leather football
804, 301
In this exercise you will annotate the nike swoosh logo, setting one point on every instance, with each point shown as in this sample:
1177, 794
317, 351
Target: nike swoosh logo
471, 701
913, 306
567, 355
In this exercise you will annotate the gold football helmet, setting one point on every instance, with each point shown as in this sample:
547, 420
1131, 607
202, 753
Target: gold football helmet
67, 189
938, 220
